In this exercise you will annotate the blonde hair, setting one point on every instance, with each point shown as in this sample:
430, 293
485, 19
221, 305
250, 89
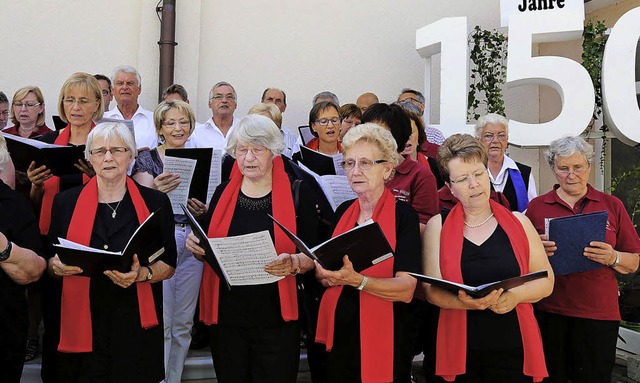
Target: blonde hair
271, 109
20, 95
180, 106
83, 82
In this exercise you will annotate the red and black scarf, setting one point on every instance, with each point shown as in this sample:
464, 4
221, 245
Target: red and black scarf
283, 210
451, 342
376, 314
52, 185
76, 333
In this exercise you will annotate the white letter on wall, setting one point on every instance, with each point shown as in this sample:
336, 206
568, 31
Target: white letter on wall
447, 36
566, 76
618, 79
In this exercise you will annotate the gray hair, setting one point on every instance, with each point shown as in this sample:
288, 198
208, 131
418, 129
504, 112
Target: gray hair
223, 83
126, 69
491, 118
258, 130
410, 106
376, 135
568, 146
419, 95
325, 94
4, 153
109, 131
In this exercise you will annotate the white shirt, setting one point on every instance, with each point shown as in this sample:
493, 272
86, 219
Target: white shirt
500, 181
291, 144
143, 126
208, 135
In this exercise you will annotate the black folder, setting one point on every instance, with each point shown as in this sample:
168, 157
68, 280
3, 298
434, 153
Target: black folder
145, 242
319, 163
571, 235
209, 257
365, 245
58, 123
483, 290
200, 180
59, 159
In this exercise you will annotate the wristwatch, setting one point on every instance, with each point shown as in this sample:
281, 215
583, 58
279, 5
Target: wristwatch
617, 261
4, 255
150, 275
363, 284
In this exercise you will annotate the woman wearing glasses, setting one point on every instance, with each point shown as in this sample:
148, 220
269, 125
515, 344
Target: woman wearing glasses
494, 338
174, 122
324, 120
579, 321
255, 333
511, 178
111, 324
79, 104
27, 113
364, 320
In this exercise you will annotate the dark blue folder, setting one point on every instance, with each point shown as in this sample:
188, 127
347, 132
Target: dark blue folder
571, 235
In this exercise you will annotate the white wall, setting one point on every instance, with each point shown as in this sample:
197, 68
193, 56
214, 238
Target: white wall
346, 46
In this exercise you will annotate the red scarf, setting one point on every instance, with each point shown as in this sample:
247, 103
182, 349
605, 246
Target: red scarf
314, 144
376, 314
283, 210
452, 336
75, 328
52, 185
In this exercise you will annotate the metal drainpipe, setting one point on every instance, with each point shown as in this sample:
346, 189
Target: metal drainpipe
167, 44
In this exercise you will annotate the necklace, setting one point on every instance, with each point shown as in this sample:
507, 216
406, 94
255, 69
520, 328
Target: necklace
480, 224
113, 215
502, 180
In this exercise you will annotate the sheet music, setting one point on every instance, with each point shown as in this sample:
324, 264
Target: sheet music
337, 164
336, 188
244, 257
184, 167
215, 173
340, 189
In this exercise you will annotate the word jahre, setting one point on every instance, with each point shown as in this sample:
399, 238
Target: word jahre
535, 5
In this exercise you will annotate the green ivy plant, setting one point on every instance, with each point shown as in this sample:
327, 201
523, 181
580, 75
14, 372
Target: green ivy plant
593, 43
488, 53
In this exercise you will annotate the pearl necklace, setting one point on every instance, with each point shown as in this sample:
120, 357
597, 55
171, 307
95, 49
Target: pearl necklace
480, 224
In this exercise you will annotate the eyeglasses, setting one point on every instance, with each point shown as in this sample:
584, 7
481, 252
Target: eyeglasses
4, 113
241, 152
363, 164
81, 101
325, 121
115, 151
475, 175
577, 171
490, 137
172, 124
27, 105
412, 99
219, 97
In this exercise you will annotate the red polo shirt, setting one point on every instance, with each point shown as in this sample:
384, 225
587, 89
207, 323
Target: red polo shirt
590, 294
416, 185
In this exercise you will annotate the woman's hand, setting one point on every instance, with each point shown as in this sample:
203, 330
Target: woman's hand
125, 280
166, 182
285, 264
345, 276
472, 303
59, 269
85, 167
37, 176
600, 252
549, 246
505, 303
197, 208
192, 244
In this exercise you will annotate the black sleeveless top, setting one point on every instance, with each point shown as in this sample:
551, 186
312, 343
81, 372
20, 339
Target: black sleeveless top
491, 261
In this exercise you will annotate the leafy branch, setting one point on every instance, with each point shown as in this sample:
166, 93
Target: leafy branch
488, 53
